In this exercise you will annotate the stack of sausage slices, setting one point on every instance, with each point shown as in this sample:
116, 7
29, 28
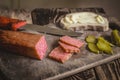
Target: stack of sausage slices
67, 46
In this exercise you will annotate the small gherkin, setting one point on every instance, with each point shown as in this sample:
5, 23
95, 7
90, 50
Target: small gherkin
115, 37
99, 44
102, 46
91, 39
105, 41
93, 47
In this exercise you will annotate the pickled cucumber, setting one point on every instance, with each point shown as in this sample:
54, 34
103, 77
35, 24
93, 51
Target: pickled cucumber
102, 46
93, 48
90, 39
116, 37
105, 41
99, 44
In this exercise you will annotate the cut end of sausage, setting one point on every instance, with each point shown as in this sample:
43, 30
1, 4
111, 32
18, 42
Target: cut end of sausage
41, 48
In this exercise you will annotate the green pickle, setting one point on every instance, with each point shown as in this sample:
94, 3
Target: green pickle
90, 39
93, 48
105, 41
102, 46
116, 37
99, 44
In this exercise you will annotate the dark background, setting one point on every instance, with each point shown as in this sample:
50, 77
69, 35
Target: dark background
112, 7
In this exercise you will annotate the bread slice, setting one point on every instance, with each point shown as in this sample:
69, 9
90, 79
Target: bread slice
84, 21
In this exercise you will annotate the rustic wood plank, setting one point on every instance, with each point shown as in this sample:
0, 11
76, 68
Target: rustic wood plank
78, 76
116, 68
112, 73
118, 60
100, 73
85, 75
88, 74
3, 77
108, 71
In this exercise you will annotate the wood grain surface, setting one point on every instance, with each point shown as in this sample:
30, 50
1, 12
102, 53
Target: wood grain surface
17, 67
108, 71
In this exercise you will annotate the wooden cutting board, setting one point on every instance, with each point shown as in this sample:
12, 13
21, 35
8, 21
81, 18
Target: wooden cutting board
17, 67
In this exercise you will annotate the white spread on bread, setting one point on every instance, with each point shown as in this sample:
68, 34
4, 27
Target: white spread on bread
74, 20
100, 19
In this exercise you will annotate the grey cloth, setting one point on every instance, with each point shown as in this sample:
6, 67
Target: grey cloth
21, 14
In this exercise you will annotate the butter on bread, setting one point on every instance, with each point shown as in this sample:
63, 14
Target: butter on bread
84, 21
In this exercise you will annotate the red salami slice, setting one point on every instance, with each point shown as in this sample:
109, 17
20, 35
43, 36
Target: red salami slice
71, 41
59, 54
11, 24
17, 25
69, 48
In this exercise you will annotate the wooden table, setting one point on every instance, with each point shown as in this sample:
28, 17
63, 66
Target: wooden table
106, 70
